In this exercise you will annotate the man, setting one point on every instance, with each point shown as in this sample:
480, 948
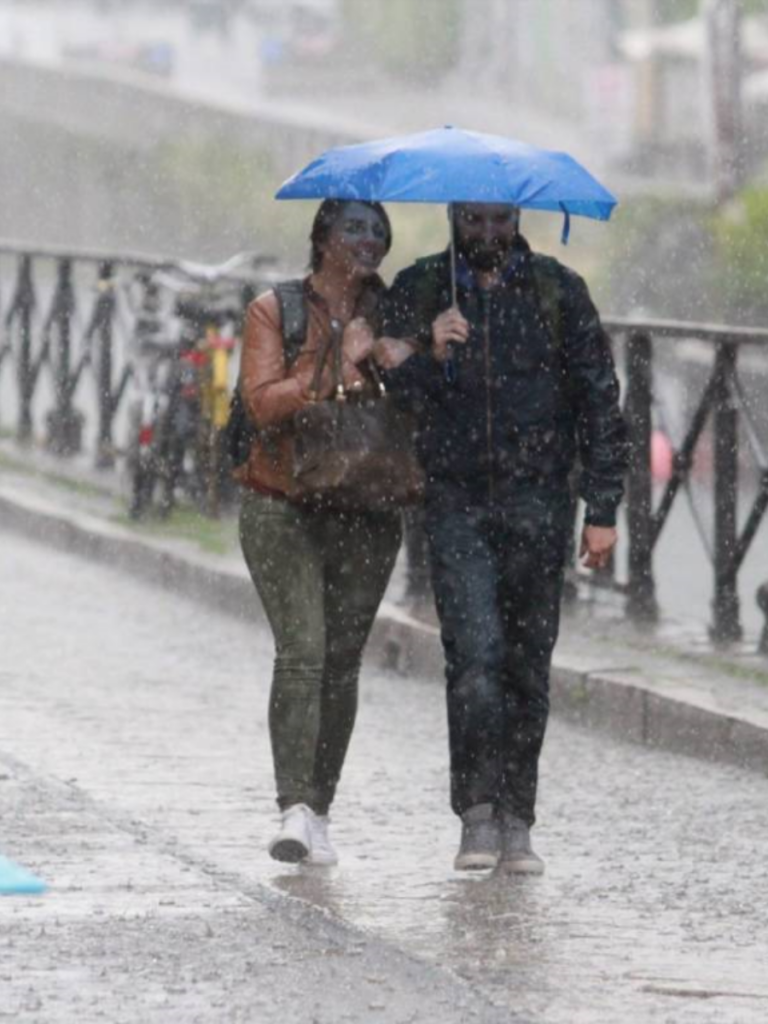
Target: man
507, 388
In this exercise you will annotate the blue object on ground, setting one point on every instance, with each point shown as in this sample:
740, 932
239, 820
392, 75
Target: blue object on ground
449, 165
15, 880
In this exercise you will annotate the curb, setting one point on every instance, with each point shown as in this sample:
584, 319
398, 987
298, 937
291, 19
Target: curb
681, 720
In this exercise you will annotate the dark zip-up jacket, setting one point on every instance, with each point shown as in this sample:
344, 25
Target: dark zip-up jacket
534, 385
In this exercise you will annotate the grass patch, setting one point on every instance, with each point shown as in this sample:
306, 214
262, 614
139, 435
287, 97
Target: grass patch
9, 462
749, 673
729, 667
75, 486
214, 536
67, 483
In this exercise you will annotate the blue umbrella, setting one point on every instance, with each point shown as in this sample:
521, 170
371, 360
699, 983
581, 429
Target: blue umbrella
448, 165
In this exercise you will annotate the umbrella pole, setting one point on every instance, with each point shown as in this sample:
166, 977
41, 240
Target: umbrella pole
449, 368
453, 253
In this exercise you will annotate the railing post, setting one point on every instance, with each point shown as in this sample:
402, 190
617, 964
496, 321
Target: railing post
105, 311
64, 423
24, 303
726, 626
641, 604
762, 604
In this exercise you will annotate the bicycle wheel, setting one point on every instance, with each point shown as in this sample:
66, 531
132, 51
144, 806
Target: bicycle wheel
142, 487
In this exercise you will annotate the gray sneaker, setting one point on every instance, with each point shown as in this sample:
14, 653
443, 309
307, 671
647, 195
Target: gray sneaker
517, 856
480, 839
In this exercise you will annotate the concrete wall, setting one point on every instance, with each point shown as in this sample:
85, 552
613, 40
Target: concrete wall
116, 163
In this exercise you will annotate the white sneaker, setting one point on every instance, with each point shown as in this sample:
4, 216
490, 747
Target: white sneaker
321, 852
293, 842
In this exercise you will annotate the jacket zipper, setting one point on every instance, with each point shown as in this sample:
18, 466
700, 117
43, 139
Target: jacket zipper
488, 400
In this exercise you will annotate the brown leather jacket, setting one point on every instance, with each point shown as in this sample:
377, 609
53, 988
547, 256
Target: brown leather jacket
272, 392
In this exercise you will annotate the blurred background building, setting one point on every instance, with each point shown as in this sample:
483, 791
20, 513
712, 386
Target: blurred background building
167, 124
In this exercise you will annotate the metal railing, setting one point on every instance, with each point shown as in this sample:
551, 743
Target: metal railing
68, 315
720, 403
72, 317
63, 314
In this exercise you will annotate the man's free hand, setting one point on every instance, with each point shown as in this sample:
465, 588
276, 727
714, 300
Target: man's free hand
597, 543
450, 328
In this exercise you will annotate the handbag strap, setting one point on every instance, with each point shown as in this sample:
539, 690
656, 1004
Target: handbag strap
292, 299
337, 334
334, 341
331, 340
376, 375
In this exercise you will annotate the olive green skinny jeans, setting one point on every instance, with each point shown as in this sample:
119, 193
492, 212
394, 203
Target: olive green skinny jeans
321, 576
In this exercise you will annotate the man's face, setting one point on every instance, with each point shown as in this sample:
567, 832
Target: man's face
485, 233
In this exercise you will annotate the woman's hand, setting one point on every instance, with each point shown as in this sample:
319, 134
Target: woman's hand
391, 352
448, 329
597, 543
357, 341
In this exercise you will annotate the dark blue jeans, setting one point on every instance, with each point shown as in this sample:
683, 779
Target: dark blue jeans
497, 574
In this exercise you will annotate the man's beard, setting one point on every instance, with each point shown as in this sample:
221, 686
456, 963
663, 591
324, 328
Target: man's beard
484, 256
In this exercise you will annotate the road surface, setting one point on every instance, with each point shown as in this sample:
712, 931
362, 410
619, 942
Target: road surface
135, 776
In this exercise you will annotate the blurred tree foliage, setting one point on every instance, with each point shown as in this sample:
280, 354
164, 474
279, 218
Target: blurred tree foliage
679, 10
221, 190
659, 260
740, 230
419, 41
689, 261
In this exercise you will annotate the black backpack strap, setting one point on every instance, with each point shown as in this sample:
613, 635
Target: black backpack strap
240, 432
292, 300
549, 296
548, 286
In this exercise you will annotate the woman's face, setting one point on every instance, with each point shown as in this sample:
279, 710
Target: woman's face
357, 242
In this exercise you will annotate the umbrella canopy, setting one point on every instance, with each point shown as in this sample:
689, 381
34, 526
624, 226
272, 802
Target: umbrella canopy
448, 165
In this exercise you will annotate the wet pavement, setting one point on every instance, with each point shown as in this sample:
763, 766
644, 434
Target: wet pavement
136, 778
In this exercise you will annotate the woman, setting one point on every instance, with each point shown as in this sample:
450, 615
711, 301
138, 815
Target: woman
320, 573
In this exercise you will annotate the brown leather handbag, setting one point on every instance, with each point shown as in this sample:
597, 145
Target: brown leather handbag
354, 451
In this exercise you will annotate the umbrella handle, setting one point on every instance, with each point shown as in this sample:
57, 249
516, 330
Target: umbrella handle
449, 367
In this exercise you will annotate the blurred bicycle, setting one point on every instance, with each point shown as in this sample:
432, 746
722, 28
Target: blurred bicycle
186, 333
